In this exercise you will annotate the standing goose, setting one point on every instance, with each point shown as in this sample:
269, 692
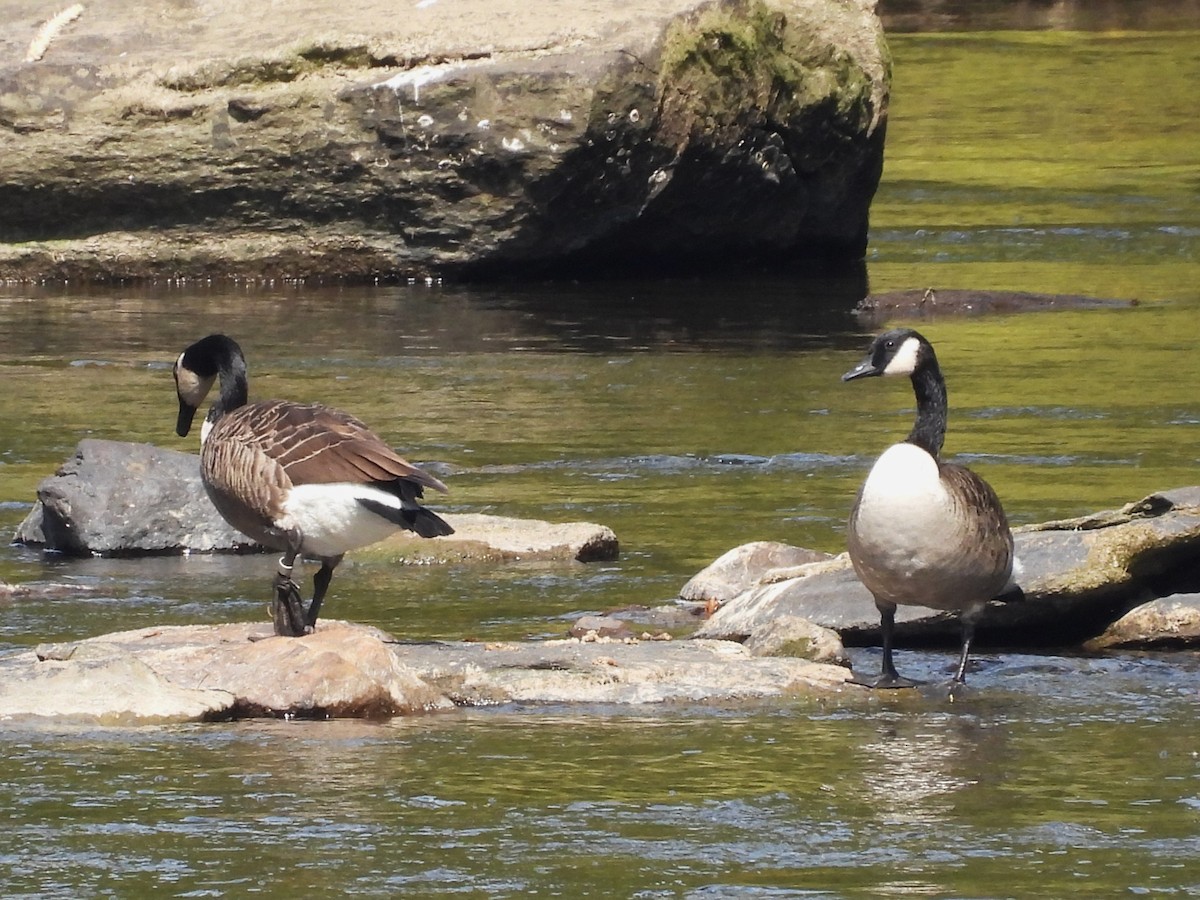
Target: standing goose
924, 532
300, 478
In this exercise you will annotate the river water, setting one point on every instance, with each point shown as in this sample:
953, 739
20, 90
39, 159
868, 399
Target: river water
690, 416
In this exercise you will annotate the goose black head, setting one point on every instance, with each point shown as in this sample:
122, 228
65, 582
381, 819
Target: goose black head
901, 351
198, 368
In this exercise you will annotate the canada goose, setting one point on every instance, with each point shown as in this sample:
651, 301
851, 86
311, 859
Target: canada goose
924, 532
301, 478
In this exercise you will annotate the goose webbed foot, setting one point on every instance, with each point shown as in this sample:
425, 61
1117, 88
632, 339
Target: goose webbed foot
885, 681
287, 609
888, 678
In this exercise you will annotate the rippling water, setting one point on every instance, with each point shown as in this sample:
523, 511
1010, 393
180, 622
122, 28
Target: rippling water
690, 416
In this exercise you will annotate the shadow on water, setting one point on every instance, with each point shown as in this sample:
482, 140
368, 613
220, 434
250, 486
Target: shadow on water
758, 312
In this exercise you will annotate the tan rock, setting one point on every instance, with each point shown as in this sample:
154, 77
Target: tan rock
499, 538
163, 139
743, 567
1172, 621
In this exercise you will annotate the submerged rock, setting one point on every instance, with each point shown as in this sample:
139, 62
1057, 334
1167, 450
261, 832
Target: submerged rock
1079, 576
206, 672
875, 309
115, 498
467, 137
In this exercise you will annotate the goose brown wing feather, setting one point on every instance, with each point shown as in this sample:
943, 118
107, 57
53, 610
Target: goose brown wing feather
246, 484
315, 444
986, 531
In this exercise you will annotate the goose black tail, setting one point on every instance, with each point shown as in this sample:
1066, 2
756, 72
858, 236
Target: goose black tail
423, 521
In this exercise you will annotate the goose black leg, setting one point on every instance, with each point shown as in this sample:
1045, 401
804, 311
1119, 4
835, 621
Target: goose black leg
287, 610
888, 676
320, 586
968, 635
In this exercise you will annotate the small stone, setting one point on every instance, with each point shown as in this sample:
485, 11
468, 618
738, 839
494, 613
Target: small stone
594, 627
741, 568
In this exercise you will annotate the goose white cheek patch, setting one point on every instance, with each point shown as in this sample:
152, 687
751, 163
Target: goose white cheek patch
905, 360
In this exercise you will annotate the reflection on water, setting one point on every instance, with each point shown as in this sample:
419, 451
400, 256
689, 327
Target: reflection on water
915, 796
1031, 15
690, 415
300, 321
912, 776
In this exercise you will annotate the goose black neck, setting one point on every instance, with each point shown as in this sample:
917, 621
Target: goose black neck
234, 385
929, 429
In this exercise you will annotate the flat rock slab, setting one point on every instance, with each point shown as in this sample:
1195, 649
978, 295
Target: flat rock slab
614, 672
485, 538
1079, 576
216, 672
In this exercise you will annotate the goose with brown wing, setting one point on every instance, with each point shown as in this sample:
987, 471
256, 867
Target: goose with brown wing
301, 478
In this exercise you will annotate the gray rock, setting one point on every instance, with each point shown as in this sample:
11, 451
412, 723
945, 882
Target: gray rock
1078, 576
207, 672
793, 636
119, 499
114, 498
467, 137
733, 572
1172, 622
575, 671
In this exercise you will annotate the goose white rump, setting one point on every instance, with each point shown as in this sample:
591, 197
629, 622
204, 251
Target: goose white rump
333, 519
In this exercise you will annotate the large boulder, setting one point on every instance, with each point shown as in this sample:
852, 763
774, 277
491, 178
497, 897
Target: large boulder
114, 498
1078, 576
235, 138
